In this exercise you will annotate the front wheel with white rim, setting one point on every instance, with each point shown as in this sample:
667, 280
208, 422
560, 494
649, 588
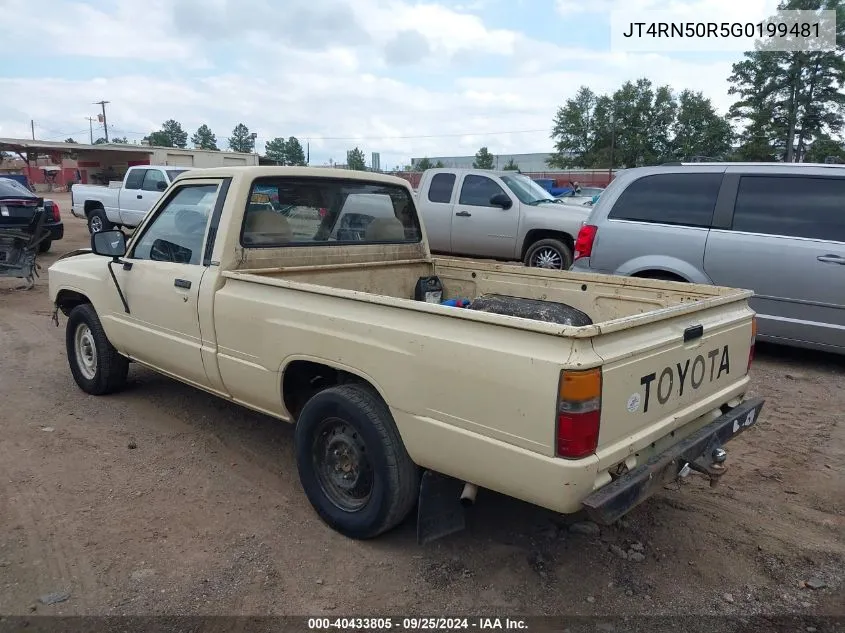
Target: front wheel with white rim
550, 254
96, 365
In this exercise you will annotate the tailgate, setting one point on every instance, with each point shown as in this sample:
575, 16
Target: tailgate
659, 376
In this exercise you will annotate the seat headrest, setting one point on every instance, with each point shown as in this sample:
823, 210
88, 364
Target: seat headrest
385, 230
267, 227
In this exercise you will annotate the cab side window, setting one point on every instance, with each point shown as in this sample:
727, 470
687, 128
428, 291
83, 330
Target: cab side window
440, 189
134, 179
153, 180
477, 191
177, 233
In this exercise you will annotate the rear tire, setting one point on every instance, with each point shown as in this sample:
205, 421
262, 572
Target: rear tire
98, 221
352, 463
44, 246
550, 254
96, 365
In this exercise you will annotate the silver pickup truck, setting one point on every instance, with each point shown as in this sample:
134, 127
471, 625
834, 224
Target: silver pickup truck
499, 215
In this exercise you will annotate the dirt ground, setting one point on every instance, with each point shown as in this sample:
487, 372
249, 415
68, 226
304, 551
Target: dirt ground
165, 500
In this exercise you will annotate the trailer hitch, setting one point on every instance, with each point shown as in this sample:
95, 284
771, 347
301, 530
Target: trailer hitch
711, 466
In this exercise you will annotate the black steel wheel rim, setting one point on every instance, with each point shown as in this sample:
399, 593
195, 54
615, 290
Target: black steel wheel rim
342, 465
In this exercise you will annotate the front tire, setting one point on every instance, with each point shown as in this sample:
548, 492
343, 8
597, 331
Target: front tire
550, 254
352, 463
96, 365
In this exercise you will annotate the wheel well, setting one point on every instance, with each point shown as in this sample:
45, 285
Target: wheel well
535, 235
67, 300
303, 378
90, 205
659, 274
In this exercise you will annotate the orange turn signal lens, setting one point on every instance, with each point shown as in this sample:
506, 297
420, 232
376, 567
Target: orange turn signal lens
578, 386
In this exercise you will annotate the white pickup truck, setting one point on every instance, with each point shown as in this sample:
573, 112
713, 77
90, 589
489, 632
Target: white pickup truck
108, 207
500, 215
310, 295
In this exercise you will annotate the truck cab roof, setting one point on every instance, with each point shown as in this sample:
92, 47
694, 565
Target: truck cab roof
241, 171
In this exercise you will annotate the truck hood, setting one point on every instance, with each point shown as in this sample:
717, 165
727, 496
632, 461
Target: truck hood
78, 251
554, 216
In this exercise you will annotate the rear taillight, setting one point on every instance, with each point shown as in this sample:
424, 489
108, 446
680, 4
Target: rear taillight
753, 341
56, 215
584, 242
578, 413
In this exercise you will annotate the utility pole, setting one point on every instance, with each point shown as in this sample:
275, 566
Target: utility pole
105, 124
91, 127
32, 127
612, 145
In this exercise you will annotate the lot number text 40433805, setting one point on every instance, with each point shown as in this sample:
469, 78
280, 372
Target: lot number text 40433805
417, 624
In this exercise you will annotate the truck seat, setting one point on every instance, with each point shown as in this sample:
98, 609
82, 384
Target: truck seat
266, 227
385, 230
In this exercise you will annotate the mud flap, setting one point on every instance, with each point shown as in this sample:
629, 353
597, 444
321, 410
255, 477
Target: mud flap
439, 510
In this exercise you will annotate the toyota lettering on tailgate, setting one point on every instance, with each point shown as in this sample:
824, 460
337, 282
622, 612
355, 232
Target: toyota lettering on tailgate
692, 373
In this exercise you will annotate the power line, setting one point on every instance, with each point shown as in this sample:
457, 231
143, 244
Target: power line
386, 138
379, 138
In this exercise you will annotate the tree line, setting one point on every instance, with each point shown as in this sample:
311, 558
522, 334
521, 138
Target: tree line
279, 150
790, 107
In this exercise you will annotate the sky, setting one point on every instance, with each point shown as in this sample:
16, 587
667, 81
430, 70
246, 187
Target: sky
405, 78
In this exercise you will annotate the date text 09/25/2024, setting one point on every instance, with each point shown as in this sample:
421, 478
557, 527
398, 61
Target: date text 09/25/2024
416, 624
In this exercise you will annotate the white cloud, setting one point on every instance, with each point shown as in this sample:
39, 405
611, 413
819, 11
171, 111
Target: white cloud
126, 31
320, 69
718, 10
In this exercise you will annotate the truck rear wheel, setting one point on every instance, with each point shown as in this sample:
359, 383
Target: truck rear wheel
352, 463
98, 221
549, 253
96, 365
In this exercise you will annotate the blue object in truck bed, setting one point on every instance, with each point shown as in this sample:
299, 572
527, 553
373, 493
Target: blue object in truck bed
549, 185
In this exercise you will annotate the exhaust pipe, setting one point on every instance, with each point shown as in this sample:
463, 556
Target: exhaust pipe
468, 494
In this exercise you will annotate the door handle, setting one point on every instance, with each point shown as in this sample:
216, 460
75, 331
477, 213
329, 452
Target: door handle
182, 283
463, 214
831, 259
139, 196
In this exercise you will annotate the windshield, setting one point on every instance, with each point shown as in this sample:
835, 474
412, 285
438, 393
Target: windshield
172, 173
528, 191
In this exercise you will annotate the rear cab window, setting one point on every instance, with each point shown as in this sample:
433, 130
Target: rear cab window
792, 206
679, 199
308, 211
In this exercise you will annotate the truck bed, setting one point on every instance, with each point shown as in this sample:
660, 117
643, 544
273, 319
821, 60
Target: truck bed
613, 304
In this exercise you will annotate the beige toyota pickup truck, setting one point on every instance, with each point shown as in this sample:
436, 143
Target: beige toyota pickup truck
413, 382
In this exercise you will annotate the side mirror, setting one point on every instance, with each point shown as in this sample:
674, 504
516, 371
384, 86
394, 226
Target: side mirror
109, 243
501, 200
161, 185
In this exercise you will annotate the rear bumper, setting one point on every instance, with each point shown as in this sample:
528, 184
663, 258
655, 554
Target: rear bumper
57, 231
610, 502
